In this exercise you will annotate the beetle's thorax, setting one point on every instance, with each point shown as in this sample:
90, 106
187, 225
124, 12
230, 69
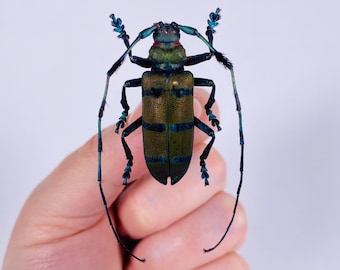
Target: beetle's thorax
167, 56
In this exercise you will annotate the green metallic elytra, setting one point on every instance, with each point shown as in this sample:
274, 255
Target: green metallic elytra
171, 106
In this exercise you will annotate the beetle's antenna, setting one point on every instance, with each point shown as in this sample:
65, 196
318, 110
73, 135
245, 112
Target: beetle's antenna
238, 109
100, 150
214, 17
143, 34
119, 27
113, 228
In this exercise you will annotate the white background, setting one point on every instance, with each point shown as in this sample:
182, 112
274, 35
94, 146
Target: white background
53, 60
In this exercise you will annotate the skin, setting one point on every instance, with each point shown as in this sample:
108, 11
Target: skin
63, 223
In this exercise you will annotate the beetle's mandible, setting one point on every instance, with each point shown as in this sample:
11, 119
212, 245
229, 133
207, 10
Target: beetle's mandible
168, 119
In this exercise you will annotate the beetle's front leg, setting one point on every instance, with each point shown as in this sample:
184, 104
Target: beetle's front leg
211, 100
142, 62
123, 101
199, 58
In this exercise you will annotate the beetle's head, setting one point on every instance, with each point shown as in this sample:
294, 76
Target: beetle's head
166, 32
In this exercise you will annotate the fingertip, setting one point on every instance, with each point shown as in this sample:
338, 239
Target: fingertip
230, 261
204, 225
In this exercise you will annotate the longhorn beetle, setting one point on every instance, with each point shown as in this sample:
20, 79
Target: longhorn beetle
168, 118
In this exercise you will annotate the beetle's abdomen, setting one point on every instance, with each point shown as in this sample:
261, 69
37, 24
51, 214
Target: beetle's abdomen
168, 123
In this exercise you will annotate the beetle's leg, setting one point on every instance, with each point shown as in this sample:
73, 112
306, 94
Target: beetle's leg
125, 105
219, 56
126, 132
211, 100
142, 62
207, 130
199, 58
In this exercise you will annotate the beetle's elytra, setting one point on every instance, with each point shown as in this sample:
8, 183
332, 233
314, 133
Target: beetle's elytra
168, 122
168, 118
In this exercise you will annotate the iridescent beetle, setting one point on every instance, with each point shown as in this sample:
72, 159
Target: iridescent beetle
168, 118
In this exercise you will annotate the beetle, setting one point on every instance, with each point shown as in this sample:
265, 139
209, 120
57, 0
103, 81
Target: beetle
168, 119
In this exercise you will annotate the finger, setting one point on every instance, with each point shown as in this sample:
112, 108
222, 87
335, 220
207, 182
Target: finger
68, 201
148, 206
180, 246
230, 261
66, 210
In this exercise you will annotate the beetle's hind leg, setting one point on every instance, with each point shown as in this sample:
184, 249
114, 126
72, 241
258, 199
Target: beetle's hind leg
211, 100
207, 130
126, 132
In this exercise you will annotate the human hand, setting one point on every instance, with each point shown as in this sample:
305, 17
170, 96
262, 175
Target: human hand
63, 223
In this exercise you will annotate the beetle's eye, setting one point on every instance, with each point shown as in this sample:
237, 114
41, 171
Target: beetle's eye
174, 26
160, 25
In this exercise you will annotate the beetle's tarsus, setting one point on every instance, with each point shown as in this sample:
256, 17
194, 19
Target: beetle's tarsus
126, 174
121, 121
119, 124
214, 121
204, 172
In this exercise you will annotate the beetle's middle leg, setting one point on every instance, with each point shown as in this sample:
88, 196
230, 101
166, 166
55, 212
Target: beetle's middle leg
123, 101
126, 132
207, 130
132, 127
211, 100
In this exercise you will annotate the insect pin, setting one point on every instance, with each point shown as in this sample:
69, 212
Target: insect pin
168, 118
